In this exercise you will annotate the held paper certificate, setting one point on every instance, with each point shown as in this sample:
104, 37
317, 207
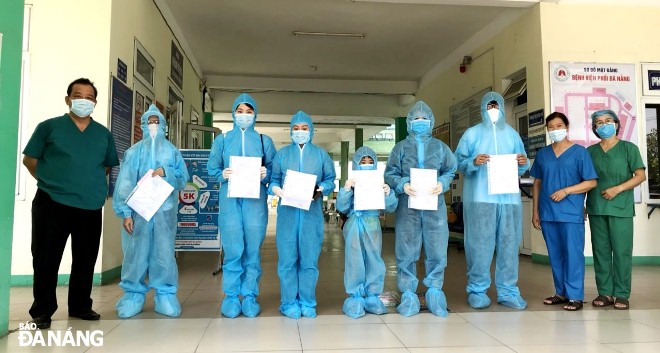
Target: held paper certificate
245, 177
422, 181
368, 193
298, 189
148, 195
503, 174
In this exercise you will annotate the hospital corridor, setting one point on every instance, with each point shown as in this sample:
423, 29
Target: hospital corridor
497, 329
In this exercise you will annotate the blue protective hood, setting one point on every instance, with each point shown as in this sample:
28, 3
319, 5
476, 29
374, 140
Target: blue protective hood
361, 152
153, 111
493, 96
247, 99
302, 117
420, 110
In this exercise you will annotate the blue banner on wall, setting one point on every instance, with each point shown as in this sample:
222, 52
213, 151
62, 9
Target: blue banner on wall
197, 219
120, 124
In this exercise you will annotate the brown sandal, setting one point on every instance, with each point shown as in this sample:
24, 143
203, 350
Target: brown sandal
602, 301
573, 305
554, 300
621, 304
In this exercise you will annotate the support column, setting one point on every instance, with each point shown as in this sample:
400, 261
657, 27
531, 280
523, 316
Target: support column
343, 163
400, 129
359, 138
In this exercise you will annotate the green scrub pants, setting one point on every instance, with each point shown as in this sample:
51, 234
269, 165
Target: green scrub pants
612, 244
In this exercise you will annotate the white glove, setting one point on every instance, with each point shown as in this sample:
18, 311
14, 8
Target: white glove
349, 184
436, 190
263, 172
278, 191
320, 189
409, 190
226, 173
386, 189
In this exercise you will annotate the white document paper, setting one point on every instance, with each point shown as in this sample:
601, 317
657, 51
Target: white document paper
368, 193
298, 189
503, 174
245, 177
148, 195
422, 181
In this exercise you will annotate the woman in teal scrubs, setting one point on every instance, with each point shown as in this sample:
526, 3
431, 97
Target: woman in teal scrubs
563, 173
610, 206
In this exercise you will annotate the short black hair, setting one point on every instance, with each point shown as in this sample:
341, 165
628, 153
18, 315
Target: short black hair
81, 81
556, 115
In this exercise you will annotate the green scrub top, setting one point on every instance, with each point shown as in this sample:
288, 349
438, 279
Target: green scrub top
71, 163
613, 167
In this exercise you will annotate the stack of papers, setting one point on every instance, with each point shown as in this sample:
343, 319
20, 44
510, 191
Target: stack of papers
148, 195
503, 174
245, 178
422, 181
368, 194
298, 189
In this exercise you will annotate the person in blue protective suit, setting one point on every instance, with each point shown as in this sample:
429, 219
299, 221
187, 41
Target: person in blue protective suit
364, 270
149, 245
413, 227
492, 222
563, 173
242, 220
299, 233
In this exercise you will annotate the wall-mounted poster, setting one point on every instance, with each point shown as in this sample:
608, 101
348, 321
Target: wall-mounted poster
579, 89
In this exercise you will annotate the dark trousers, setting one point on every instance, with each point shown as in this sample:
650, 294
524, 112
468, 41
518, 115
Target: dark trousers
52, 222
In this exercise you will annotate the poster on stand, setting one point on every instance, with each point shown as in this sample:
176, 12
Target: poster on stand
197, 219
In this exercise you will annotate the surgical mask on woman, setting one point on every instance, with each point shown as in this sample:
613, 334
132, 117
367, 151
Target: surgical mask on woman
420, 126
300, 136
244, 120
493, 114
606, 130
153, 130
557, 135
82, 107
367, 166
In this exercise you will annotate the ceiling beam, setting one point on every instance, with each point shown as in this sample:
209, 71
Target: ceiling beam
495, 3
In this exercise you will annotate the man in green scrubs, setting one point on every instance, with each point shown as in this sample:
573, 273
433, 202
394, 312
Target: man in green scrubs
611, 208
70, 157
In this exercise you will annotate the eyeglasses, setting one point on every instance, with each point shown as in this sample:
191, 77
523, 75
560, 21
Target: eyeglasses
491, 106
600, 123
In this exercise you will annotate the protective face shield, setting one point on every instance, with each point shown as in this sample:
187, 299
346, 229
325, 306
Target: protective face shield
420, 126
244, 120
494, 114
369, 166
153, 129
300, 136
606, 130
557, 135
82, 107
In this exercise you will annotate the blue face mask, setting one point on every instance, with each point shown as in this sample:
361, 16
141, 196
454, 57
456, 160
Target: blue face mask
365, 167
244, 121
420, 126
300, 136
606, 130
557, 135
82, 107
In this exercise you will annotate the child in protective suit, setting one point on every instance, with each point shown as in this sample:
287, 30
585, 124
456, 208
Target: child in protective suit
364, 270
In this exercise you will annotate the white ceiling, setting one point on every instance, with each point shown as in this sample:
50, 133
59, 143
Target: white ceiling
249, 45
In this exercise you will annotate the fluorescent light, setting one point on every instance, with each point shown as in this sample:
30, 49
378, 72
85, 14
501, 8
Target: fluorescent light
329, 34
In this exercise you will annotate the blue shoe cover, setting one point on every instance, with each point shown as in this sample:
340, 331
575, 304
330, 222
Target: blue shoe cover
308, 311
373, 304
478, 300
513, 302
231, 307
250, 306
436, 302
167, 304
354, 307
290, 310
409, 304
129, 305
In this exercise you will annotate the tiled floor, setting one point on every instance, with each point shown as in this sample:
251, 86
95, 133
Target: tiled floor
497, 329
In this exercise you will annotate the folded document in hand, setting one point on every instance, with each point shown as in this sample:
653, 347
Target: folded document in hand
148, 195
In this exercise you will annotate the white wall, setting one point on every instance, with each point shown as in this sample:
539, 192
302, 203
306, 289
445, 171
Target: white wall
67, 41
